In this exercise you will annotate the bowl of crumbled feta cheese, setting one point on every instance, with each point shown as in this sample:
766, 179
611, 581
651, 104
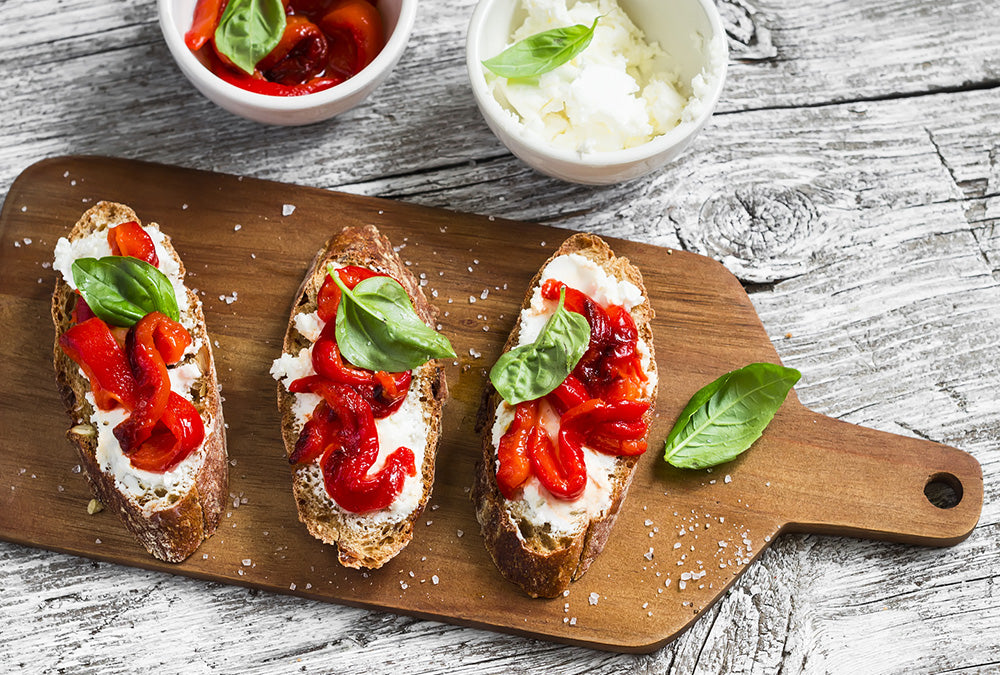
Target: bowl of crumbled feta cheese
596, 91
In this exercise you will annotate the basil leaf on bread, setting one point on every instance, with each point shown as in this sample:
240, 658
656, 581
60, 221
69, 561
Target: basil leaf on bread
378, 329
536, 369
120, 290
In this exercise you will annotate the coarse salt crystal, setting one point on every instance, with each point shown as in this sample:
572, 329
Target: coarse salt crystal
593, 598
728, 479
246, 562
287, 209
434, 580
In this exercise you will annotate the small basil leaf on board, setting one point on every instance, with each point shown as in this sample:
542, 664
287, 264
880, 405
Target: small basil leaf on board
725, 417
534, 370
121, 290
248, 30
541, 52
378, 329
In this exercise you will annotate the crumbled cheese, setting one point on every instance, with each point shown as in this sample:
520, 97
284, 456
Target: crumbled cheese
615, 94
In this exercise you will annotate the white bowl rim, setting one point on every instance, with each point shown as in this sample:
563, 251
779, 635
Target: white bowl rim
659, 144
370, 74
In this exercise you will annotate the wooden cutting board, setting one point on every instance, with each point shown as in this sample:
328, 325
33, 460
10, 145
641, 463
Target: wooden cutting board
682, 537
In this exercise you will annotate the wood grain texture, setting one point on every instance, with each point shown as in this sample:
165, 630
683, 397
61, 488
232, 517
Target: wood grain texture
892, 313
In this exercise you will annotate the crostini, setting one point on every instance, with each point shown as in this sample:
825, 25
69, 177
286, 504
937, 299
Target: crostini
567, 417
136, 373
360, 393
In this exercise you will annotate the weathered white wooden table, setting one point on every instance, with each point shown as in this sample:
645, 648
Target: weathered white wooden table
851, 179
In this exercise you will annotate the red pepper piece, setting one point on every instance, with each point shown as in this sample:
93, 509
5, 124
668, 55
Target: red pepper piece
92, 346
329, 293
356, 36
328, 362
310, 444
614, 428
177, 434
569, 394
206, 20
512, 453
352, 449
256, 83
150, 371
81, 310
561, 469
131, 240
299, 56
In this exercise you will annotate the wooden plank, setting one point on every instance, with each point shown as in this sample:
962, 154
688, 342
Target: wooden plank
802, 475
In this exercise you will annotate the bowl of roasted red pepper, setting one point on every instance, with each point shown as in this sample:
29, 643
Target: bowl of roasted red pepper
286, 62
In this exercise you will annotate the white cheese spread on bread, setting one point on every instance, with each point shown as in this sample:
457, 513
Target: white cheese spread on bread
153, 490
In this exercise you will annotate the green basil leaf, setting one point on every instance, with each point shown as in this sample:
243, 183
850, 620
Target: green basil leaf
249, 30
541, 52
725, 417
533, 370
378, 329
121, 290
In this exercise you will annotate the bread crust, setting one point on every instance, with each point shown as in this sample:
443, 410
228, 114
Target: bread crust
359, 546
173, 532
543, 567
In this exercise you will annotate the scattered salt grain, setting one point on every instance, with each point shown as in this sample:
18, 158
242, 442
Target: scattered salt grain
246, 562
287, 209
460, 533
237, 227
291, 587
594, 597
472, 298
728, 479
434, 580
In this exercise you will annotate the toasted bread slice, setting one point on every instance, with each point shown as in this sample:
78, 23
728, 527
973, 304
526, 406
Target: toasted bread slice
537, 542
172, 513
368, 539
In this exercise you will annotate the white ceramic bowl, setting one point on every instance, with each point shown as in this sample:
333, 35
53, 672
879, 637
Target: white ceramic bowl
675, 24
397, 15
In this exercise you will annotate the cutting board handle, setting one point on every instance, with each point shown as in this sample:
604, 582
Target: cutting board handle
876, 484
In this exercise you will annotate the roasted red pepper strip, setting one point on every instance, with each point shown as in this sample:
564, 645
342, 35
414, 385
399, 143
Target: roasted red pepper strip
299, 56
131, 240
149, 367
328, 362
356, 36
512, 452
329, 293
178, 433
206, 20
562, 469
81, 310
569, 394
92, 346
350, 447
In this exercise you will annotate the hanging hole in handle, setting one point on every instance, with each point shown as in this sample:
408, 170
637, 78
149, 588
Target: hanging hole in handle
943, 490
